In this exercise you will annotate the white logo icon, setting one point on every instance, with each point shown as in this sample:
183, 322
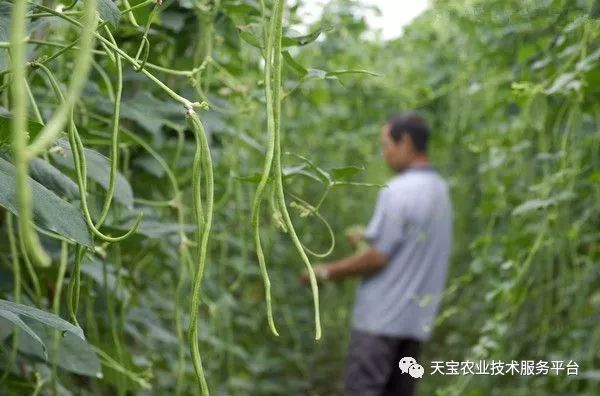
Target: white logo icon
405, 364
416, 371
409, 365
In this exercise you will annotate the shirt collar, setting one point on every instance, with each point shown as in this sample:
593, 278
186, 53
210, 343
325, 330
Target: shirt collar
424, 167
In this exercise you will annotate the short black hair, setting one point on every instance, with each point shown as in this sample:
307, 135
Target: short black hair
414, 125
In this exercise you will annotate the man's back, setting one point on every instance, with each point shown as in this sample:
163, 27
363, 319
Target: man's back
412, 226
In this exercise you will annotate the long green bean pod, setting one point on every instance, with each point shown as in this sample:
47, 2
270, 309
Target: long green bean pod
202, 168
30, 268
114, 155
81, 170
75, 285
58, 286
202, 162
276, 23
19, 134
275, 112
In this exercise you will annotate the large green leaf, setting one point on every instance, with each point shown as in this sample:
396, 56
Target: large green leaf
17, 321
98, 169
53, 178
39, 316
93, 268
74, 353
293, 64
318, 73
242, 7
38, 334
252, 34
321, 173
541, 204
33, 128
292, 38
49, 210
109, 12
345, 171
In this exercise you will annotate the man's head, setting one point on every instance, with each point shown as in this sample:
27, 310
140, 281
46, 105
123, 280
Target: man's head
404, 141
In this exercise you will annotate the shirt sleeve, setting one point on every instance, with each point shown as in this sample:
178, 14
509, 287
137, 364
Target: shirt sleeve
385, 230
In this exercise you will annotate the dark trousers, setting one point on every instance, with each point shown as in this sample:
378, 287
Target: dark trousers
372, 365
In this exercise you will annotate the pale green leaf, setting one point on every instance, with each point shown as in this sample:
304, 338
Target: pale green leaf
109, 12
49, 211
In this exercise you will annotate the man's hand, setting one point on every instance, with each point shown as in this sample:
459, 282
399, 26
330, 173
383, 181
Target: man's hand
355, 234
321, 273
361, 263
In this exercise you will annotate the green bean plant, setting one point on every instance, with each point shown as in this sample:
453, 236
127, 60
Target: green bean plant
39, 112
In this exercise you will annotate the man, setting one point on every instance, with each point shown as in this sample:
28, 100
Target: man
404, 268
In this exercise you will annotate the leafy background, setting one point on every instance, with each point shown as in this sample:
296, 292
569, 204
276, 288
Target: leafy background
511, 89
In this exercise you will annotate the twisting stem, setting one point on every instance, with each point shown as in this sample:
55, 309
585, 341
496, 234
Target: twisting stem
130, 14
144, 48
312, 210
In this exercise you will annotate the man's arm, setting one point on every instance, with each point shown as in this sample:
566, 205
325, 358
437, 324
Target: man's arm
362, 263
